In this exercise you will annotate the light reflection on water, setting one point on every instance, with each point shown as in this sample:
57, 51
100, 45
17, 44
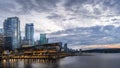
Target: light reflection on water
28, 63
95, 61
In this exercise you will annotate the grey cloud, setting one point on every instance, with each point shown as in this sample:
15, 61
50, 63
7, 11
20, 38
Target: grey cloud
117, 23
114, 19
70, 5
71, 18
105, 5
6, 6
55, 16
27, 6
37, 5
89, 36
49, 6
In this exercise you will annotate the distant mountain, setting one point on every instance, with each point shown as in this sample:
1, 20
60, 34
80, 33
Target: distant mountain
110, 50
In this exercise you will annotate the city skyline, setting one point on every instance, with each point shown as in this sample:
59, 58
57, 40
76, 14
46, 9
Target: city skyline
73, 22
59, 33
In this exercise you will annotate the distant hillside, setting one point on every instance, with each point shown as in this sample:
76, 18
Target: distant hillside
110, 50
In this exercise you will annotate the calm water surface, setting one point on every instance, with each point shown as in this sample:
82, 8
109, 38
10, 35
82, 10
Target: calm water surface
94, 61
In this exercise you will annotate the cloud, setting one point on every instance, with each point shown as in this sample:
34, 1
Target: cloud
55, 16
37, 5
78, 22
97, 35
65, 14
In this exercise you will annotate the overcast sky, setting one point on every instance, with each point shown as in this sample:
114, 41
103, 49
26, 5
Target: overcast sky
50, 16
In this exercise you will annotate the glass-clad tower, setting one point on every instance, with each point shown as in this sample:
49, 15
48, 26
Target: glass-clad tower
43, 39
29, 34
12, 33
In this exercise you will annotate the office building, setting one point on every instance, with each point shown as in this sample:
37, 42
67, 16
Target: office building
1, 31
12, 33
29, 34
1, 38
43, 39
65, 47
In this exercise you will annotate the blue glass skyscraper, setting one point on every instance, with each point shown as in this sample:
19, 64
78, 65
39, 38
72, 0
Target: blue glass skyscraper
12, 33
29, 34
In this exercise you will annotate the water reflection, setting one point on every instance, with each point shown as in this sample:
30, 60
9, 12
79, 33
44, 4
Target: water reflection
29, 63
95, 61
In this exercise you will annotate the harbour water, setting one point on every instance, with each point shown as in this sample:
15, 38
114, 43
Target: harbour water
91, 61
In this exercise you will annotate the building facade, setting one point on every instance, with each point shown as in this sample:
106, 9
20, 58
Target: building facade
1, 31
43, 39
1, 38
65, 47
12, 33
29, 34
